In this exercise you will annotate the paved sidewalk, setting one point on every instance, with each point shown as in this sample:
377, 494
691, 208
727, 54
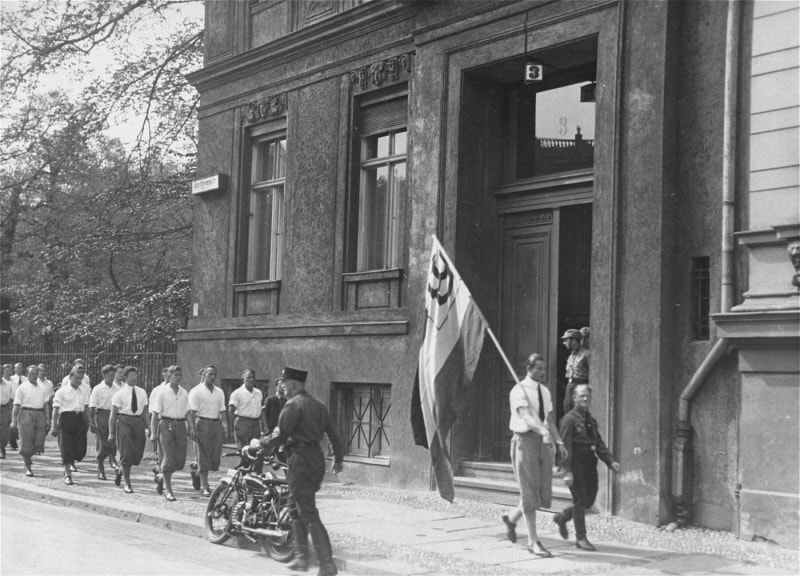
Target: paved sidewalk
378, 531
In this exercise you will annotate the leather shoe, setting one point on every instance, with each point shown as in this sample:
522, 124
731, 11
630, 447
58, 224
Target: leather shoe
562, 526
101, 475
205, 492
538, 550
169, 497
160, 485
68, 481
327, 569
511, 529
28, 473
118, 477
584, 544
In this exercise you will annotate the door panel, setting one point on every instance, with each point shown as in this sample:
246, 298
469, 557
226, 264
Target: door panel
525, 305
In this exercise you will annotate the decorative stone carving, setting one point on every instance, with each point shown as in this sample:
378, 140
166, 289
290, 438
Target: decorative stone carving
794, 256
377, 74
265, 109
529, 218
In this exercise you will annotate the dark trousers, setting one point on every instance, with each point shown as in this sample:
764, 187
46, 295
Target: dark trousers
172, 441
5, 424
73, 437
105, 449
583, 489
130, 439
304, 477
245, 429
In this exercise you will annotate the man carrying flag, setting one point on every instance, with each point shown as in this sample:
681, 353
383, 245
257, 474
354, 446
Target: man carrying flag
454, 331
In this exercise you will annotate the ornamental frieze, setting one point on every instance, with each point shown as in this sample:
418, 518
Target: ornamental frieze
381, 73
528, 218
266, 108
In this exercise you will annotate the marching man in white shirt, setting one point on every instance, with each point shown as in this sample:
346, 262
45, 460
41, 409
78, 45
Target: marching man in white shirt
71, 422
99, 415
31, 416
169, 409
245, 408
533, 424
127, 426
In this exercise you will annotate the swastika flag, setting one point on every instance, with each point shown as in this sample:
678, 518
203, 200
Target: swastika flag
454, 331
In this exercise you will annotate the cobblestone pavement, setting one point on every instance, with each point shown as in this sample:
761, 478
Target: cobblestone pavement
384, 531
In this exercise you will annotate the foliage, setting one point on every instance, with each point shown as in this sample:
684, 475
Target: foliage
96, 230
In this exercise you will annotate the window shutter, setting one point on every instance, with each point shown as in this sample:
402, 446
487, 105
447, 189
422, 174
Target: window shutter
384, 116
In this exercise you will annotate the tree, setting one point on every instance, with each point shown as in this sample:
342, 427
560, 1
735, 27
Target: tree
95, 232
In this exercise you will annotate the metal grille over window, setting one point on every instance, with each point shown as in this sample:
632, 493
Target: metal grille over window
366, 410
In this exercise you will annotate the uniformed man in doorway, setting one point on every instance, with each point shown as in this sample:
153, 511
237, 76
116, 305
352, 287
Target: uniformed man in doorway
584, 446
577, 365
301, 426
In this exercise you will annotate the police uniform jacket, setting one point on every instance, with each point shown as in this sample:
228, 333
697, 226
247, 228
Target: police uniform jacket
303, 421
580, 433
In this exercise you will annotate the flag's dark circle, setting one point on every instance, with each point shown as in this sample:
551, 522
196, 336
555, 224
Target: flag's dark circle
441, 276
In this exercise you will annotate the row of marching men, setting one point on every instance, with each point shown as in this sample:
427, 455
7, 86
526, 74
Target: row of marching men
122, 417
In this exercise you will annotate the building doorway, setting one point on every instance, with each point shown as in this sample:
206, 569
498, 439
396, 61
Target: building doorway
546, 264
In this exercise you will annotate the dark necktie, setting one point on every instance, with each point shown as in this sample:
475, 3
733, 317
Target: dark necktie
134, 403
541, 402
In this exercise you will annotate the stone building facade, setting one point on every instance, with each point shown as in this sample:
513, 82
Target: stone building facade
629, 166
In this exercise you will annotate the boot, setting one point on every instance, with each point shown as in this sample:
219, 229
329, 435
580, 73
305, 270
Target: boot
322, 545
561, 521
300, 561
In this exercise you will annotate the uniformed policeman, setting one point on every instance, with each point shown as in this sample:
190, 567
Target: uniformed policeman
584, 446
301, 426
577, 365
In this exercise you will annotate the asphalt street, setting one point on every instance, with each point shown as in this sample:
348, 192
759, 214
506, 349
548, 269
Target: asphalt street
37, 538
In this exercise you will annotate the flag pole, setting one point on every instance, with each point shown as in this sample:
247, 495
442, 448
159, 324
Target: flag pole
502, 354
488, 328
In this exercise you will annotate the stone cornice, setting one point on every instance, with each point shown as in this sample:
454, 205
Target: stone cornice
765, 326
348, 25
322, 330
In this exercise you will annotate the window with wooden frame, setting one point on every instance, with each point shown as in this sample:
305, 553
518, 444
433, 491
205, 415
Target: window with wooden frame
265, 200
377, 205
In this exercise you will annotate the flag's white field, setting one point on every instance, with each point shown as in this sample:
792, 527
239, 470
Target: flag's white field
454, 331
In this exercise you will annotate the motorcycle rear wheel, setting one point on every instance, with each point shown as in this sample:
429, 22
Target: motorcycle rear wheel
218, 514
281, 550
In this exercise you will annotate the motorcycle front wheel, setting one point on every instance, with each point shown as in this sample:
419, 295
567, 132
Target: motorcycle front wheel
218, 513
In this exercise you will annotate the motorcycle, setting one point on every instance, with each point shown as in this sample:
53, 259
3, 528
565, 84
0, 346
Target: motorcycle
253, 504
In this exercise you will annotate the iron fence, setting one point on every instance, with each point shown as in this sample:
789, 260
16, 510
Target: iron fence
149, 358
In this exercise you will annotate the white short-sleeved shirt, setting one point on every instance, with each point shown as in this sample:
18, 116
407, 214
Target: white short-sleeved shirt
30, 396
207, 404
169, 404
122, 400
8, 388
101, 395
247, 404
154, 392
48, 386
524, 395
69, 399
